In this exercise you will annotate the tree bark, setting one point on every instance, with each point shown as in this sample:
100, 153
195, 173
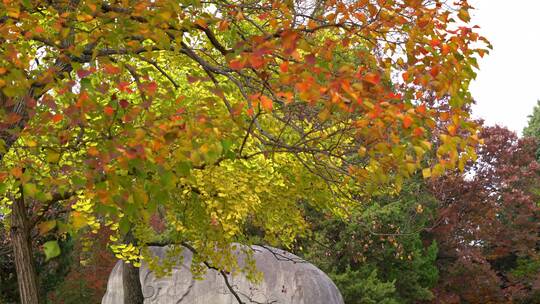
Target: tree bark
130, 278
27, 279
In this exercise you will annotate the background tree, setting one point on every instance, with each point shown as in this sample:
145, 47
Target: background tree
378, 255
488, 224
533, 127
215, 114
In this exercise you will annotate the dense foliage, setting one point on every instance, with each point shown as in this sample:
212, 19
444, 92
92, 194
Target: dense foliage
466, 237
489, 223
533, 127
378, 254
222, 118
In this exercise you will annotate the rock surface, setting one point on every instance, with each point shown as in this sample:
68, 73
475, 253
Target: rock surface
287, 280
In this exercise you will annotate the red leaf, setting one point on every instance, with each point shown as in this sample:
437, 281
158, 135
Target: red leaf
57, 117
108, 110
111, 69
151, 87
123, 103
236, 64
310, 59
82, 73
123, 86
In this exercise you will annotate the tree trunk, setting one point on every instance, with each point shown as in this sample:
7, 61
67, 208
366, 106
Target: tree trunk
130, 278
27, 279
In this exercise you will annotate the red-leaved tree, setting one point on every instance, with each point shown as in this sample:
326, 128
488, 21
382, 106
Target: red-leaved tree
488, 225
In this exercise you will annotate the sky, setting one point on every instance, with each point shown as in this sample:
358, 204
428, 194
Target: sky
508, 83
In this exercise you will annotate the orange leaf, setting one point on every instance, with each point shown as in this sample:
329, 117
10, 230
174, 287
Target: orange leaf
256, 62
421, 109
418, 132
288, 96
445, 49
372, 78
452, 130
266, 103
16, 171
405, 76
444, 116
223, 25
407, 121
236, 64
284, 67
93, 151
57, 117
434, 71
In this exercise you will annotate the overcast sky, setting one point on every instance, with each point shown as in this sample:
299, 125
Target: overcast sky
508, 84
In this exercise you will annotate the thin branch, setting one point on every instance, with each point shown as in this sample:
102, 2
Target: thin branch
214, 40
154, 63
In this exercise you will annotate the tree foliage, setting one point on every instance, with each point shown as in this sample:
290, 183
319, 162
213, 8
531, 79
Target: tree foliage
378, 255
488, 223
465, 237
214, 115
533, 126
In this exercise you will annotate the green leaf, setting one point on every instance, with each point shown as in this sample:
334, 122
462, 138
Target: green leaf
51, 250
30, 190
52, 156
183, 168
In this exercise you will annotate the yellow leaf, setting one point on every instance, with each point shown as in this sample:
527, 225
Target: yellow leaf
464, 15
77, 220
13, 12
52, 156
84, 17
426, 173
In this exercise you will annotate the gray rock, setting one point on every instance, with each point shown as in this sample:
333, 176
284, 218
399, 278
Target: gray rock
287, 280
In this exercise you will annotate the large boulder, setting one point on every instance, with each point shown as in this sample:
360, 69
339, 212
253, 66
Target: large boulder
287, 280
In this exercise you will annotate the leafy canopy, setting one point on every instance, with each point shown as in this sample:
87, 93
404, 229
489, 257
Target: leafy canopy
221, 115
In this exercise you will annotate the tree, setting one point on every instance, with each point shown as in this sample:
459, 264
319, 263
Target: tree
378, 255
533, 127
488, 224
217, 114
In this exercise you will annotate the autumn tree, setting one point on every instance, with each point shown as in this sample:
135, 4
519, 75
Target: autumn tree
215, 115
488, 224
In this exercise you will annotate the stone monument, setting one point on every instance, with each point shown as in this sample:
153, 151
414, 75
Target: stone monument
287, 280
